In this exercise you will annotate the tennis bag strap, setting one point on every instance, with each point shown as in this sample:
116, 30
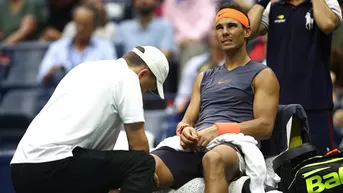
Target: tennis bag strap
285, 163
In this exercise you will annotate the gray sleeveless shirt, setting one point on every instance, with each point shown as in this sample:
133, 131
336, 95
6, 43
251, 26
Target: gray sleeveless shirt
227, 96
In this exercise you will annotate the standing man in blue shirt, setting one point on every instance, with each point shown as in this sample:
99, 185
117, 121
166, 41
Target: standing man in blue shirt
298, 51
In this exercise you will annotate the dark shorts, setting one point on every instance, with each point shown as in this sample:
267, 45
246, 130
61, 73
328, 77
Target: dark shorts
321, 130
88, 171
184, 166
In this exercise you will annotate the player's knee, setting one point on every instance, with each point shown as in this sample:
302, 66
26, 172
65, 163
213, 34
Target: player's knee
214, 159
211, 160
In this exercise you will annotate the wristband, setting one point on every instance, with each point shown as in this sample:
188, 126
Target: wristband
227, 128
263, 3
180, 129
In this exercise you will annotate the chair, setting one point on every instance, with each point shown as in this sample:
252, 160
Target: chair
156, 124
5, 170
10, 137
291, 129
153, 102
25, 60
18, 108
3, 72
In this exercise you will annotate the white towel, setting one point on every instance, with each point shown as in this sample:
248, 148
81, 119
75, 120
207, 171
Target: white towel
255, 164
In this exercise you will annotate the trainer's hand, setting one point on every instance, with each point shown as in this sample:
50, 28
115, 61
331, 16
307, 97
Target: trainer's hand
207, 135
157, 181
188, 137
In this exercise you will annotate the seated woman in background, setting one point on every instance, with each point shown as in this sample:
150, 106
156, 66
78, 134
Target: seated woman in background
20, 20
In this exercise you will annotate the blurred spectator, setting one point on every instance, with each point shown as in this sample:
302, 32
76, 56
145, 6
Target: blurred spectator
338, 119
214, 57
159, 9
337, 53
258, 49
66, 53
130, 12
20, 20
105, 29
298, 51
337, 81
337, 36
192, 20
60, 13
337, 64
146, 29
334, 93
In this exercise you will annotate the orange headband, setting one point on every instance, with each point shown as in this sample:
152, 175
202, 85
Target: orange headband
234, 14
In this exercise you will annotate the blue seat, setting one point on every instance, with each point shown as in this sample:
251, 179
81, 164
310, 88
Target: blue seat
18, 108
25, 60
10, 137
5, 170
3, 71
153, 102
156, 123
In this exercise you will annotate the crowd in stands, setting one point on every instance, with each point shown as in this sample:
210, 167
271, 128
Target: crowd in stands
83, 30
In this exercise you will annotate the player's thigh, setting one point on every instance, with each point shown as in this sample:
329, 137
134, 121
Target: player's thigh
165, 176
176, 168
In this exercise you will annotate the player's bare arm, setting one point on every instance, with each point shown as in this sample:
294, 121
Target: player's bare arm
266, 100
193, 109
188, 135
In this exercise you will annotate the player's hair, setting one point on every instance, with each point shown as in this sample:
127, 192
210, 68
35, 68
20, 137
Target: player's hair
225, 5
133, 60
91, 8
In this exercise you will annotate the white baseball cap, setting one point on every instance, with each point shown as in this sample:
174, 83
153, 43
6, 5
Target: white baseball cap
157, 63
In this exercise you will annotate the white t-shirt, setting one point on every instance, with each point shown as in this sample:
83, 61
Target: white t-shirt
87, 110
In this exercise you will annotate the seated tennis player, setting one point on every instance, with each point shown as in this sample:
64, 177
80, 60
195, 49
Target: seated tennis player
239, 97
